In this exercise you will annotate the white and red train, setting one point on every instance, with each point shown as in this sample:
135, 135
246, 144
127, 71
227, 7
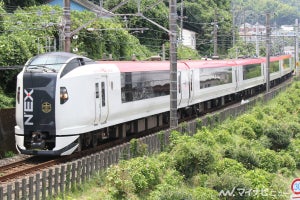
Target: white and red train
66, 102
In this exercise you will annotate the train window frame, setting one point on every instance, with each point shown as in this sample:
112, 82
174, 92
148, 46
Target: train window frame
103, 93
212, 73
71, 65
286, 63
142, 85
274, 66
51, 63
97, 90
248, 72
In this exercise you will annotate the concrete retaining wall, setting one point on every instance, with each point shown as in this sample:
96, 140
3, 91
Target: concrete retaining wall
7, 123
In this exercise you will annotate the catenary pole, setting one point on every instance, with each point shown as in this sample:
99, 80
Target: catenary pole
216, 34
297, 47
67, 28
268, 52
173, 64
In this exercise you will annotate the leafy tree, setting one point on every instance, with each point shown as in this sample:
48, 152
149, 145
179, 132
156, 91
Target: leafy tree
11, 5
285, 11
27, 32
154, 36
242, 49
191, 158
280, 137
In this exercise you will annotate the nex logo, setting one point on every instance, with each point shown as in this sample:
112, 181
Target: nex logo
28, 107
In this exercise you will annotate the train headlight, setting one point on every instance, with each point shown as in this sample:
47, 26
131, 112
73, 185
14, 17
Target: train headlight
63, 95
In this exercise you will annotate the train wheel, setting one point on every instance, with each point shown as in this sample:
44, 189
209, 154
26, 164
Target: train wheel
79, 148
166, 118
95, 140
88, 138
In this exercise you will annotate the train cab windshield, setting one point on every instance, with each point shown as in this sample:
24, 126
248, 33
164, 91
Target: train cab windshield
53, 62
47, 62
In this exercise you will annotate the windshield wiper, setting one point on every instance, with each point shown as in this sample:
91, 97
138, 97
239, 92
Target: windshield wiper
43, 67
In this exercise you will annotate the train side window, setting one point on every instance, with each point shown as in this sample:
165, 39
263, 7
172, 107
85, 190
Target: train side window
81, 61
103, 93
137, 86
70, 66
97, 90
179, 83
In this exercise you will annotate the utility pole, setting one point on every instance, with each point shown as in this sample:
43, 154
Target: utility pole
297, 47
256, 38
233, 28
216, 34
181, 22
268, 52
173, 65
233, 23
67, 28
244, 18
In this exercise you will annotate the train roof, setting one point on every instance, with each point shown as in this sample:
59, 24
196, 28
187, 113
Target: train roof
138, 66
66, 55
134, 66
52, 61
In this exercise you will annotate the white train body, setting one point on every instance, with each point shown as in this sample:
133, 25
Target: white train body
62, 96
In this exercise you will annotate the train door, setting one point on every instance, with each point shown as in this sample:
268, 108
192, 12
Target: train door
179, 88
236, 75
191, 86
97, 102
101, 103
104, 100
183, 88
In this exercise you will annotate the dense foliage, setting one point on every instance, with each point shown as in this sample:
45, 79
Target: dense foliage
283, 11
33, 30
254, 156
197, 16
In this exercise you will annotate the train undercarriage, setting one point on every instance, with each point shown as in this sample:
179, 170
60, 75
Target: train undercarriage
161, 120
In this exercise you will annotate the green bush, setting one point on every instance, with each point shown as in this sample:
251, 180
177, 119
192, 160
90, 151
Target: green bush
119, 182
287, 161
6, 102
137, 148
139, 175
169, 192
191, 157
294, 150
254, 125
231, 166
202, 193
228, 182
223, 136
294, 128
199, 180
229, 151
247, 156
205, 136
279, 135
259, 178
265, 142
269, 161
246, 131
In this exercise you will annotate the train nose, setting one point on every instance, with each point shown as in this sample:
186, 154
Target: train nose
37, 140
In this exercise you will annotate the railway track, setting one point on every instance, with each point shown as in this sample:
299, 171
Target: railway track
31, 165
24, 167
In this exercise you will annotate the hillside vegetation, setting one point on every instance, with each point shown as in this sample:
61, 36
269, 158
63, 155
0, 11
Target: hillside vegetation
34, 30
255, 156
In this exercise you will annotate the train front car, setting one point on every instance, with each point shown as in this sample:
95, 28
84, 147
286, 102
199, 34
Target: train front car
38, 94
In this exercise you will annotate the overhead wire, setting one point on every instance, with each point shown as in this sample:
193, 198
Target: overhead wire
40, 27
